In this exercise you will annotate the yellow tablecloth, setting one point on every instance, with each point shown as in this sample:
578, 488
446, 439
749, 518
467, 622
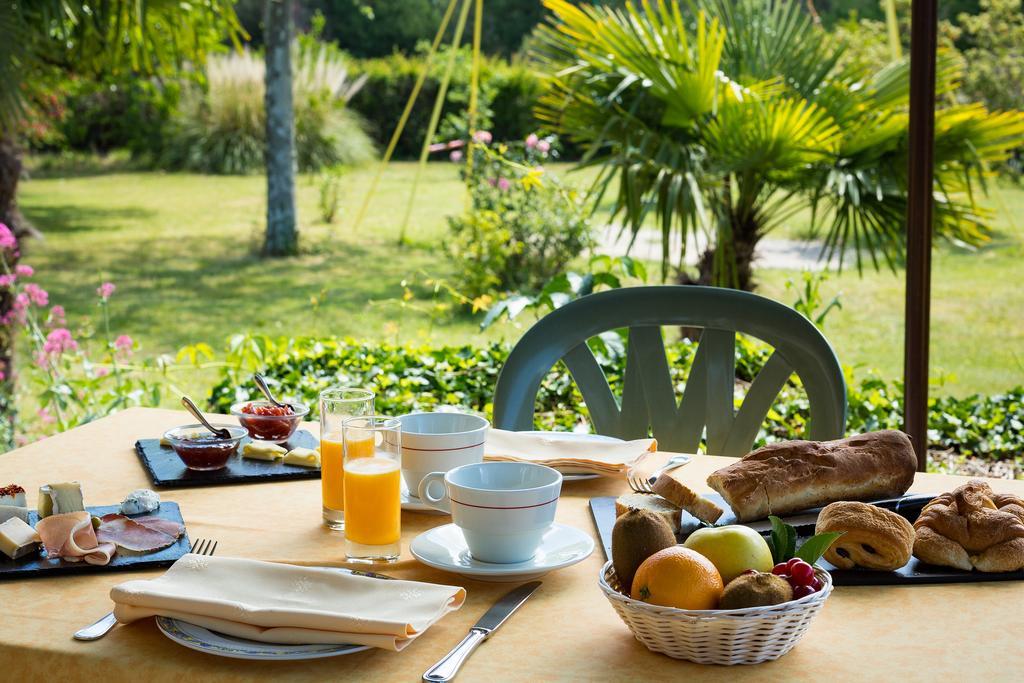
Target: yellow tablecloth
567, 630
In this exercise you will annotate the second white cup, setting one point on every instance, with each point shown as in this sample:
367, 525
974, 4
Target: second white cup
438, 442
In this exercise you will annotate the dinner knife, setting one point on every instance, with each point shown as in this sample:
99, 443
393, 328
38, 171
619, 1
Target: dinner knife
492, 619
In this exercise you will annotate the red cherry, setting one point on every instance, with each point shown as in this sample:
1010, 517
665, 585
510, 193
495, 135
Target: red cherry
802, 572
817, 584
793, 561
802, 592
780, 569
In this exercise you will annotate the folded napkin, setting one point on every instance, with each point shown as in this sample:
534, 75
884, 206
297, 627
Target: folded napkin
568, 455
281, 603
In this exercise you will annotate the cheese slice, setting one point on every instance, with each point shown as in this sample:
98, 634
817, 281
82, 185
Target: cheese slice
17, 538
13, 511
57, 499
303, 457
263, 451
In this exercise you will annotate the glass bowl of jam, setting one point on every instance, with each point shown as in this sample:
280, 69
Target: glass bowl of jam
202, 450
267, 422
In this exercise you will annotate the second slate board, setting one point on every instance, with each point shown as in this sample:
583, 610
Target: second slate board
166, 469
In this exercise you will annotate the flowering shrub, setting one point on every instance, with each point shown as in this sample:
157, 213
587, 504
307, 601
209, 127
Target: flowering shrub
522, 226
71, 386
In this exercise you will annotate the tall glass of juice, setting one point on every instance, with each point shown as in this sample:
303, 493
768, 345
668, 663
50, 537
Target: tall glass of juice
336, 406
373, 504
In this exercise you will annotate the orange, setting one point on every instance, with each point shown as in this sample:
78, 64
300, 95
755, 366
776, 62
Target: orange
678, 577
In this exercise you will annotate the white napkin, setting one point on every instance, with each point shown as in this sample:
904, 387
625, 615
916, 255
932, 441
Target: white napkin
566, 454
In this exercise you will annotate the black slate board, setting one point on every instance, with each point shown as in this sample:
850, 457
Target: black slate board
35, 566
913, 573
166, 469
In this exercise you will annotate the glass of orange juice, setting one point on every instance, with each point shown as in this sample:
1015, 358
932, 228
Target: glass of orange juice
373, 503
336, 406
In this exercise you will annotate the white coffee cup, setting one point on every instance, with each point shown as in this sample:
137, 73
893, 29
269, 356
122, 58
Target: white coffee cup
502, 508
438, 442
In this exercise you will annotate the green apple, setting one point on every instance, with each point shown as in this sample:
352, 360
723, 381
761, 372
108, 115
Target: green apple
732, 549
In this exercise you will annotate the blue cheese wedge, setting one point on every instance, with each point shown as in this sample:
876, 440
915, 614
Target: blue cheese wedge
140, 501
17, 538
303, 457
13, 511
56, 499
263, 451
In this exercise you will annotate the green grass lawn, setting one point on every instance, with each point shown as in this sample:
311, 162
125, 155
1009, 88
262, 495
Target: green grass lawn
183, 251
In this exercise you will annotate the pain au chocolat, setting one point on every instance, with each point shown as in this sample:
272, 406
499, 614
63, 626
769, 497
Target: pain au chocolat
972, 528
873, 537
789, 476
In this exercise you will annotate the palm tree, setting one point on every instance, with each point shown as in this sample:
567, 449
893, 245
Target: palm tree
41, 38
727, 117
281, 237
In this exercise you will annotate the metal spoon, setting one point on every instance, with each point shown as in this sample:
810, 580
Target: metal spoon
261, 382
192, 408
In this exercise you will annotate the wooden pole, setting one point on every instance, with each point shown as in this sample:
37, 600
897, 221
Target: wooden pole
923, 42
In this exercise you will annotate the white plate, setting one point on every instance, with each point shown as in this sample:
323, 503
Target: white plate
567, 473
220, 644
444, 547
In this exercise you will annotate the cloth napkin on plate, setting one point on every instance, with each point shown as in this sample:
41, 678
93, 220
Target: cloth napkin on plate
565, 453
281, 603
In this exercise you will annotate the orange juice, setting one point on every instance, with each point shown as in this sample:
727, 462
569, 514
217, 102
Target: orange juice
373, 506
332, 471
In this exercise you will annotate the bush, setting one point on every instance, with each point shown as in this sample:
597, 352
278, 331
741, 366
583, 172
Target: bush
507, 95
522, 227
222, 129
419, 377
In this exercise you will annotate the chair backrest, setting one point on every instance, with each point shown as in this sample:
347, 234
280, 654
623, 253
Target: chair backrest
648, 400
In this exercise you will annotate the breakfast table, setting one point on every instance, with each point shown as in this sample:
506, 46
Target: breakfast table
566, 631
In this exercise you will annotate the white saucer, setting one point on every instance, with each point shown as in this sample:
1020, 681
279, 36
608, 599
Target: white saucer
414, 504
444, 547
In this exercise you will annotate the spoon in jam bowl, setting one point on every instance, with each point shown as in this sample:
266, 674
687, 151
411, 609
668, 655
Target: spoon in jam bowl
192, 408
261, 382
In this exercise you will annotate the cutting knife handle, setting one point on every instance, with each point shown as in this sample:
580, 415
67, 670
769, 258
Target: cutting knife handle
446, 669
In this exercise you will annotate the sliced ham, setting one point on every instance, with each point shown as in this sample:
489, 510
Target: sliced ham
70, 536
167, 526
132, 534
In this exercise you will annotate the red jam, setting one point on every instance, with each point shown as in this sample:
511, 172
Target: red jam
263, 427
205, 452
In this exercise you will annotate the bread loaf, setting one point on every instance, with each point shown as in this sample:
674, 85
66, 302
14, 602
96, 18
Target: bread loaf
795, 475
649, 501
670, 486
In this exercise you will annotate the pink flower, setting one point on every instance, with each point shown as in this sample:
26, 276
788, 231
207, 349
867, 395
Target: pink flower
106, 290
7, 238
57, 316
102, 371
531, 140
543, 146
2, 376
7, 280
37, 294
456, 155
44, 416
503, 184
40, 358
483, 137
124, 343
24, 271
59, 341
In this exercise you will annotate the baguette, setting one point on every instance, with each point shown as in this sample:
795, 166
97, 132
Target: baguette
795, 475
675, 491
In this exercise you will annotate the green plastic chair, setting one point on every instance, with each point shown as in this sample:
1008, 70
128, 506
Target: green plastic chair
648, 403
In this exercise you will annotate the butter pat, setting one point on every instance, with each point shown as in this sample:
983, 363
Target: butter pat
57, 499
303, 457
17, 539
13, 511
263, 451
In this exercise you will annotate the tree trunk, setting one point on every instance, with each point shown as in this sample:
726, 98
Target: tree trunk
10, 172
729, 263
282, 237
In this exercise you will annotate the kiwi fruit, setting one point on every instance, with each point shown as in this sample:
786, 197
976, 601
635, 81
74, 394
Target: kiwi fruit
637, 535
755, 590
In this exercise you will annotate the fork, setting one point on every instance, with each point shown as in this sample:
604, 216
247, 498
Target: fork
103, 626
642, 484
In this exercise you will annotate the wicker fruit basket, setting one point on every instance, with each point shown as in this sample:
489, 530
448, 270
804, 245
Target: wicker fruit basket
739, 636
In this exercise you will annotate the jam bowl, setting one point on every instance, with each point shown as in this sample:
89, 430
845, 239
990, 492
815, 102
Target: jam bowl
267, 422
202, 450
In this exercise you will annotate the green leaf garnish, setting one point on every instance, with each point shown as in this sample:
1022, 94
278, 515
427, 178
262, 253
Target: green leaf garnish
783, 543
812, 549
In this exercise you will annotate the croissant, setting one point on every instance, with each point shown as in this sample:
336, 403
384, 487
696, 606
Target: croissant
972, 528
873, 537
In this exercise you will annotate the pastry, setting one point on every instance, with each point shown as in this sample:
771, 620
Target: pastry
795, 475
873, 537
669, 486
972, 528
648, 501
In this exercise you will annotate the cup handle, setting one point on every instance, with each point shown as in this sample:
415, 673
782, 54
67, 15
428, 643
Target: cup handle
443, 503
